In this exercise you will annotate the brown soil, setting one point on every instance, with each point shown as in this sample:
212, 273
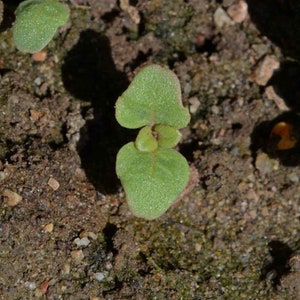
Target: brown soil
65, 229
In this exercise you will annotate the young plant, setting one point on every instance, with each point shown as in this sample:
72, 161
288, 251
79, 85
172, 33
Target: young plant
36, 23
153, 175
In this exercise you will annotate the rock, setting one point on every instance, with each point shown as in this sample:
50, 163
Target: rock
53, 183
194, 104
293, 177
30, 285
83, 242
44, 287
48, 228
99, 276
265, 164
39, 56
92, 235
265, 69
13, 198
221, 18
131, 10
77, 256
238, 12
272, 95
65, 270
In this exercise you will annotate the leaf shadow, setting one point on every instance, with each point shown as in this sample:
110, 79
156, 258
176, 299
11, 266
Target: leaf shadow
279, 20
278, 266
286, 82
89, 74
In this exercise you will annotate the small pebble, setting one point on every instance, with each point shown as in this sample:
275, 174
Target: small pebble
13, 198
38, 81
293, 177
39, 56
44, 287
77, 256
263, 73
260, 50
272, 95
65, 269
3, 175
83, 242
30, 285
53, 183
131, 10
108, 265
198, 247
187, 88
92, 235
238, 12
48, 228
265, 164
99, 276
215, 109
80, 173
194, 104
221, 18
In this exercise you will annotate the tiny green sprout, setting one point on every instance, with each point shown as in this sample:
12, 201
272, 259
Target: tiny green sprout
153, 175
37, 22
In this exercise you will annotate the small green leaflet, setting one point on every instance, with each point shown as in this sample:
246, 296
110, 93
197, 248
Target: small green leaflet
153, 97
153, 175
152, 181
37, 22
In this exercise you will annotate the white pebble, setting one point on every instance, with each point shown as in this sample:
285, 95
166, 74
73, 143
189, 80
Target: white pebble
294, 177
194, 104
83, 242
99, 276
30, 285
221, 18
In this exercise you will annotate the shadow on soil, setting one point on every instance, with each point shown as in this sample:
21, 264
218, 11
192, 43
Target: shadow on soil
89, 74
286, 82
267, 138
280, 22
278, 266
9, 7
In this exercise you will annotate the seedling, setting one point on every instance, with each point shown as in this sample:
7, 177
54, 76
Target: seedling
37, 22
153, 175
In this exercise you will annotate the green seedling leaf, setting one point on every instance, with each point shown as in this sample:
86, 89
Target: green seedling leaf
152, 180
145, 141
153, 97
167, 136
36, 23
153, 175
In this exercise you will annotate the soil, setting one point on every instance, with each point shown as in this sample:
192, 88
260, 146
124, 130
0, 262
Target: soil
65, 228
